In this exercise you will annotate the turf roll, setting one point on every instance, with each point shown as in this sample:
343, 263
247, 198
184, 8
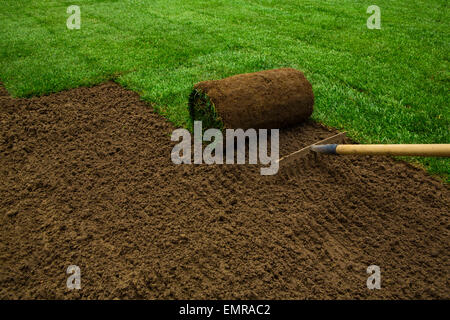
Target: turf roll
267, 99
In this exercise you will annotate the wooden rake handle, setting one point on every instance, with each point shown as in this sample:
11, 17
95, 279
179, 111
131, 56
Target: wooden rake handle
426, 150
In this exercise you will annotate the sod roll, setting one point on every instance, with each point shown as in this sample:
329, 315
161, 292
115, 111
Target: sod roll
268, 99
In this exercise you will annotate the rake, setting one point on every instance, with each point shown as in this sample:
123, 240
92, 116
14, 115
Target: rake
333, 146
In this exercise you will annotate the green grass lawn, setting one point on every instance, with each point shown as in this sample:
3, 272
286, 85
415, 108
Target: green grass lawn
382, 86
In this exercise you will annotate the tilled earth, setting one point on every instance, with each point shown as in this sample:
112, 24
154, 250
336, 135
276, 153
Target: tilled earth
87, 180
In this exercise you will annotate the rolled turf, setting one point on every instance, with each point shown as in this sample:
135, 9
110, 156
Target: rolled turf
266, 99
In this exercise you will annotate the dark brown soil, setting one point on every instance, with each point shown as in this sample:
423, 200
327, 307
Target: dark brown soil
87, 179
267, 99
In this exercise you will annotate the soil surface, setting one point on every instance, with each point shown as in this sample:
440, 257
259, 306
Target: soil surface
267, 99
87, 180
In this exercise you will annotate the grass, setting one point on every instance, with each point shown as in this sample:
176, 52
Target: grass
382, 86
201, 108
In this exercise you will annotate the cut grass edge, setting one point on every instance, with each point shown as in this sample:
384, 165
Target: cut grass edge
201, 108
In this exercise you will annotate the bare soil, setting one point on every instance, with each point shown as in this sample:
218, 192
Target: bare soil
87, 179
